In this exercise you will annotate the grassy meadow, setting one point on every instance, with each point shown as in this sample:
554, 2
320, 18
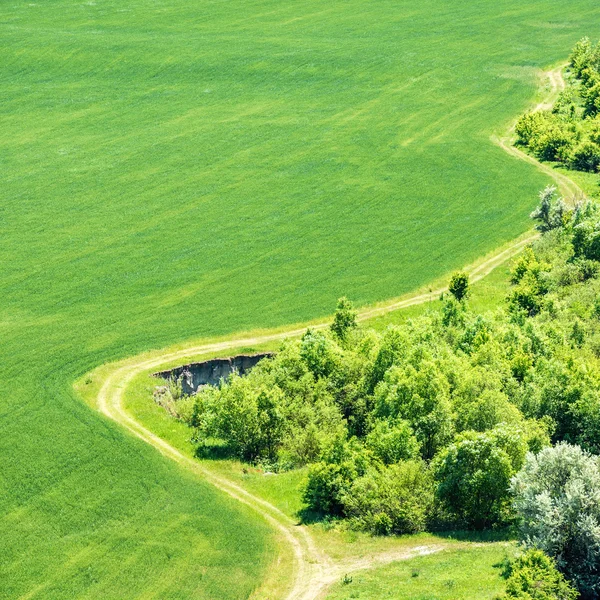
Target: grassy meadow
176, 170
461, 574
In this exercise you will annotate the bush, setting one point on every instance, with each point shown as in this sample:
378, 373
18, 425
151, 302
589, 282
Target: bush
473, 476
533, 576
557, 497
327, 486
395, 499
586, 157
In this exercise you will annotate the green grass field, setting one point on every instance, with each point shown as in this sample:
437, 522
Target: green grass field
173, 170
460, 574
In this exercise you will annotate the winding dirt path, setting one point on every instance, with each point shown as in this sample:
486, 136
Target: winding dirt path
314, 572
566, 186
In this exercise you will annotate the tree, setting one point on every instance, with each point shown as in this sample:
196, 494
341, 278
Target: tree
550, 213
344, 319
473, 476
393, 348
392, 442
530, 126
395, 499
459, 285
246, 414
319, 352
326, 485
557, 497
488, 410
534, 576
421, 397
581, 56
555, 142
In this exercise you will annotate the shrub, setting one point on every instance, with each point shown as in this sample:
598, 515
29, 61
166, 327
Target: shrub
534, 576
586, 157
557, 497
473, 476
326, 487
395, 499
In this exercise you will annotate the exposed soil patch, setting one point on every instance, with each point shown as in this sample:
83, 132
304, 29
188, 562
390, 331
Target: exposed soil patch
210, 372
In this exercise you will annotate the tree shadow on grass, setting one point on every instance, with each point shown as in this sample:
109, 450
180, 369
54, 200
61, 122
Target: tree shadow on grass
507, 534
306, 516
213, 451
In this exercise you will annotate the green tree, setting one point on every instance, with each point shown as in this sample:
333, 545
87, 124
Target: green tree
586, 157
396, 499
581, 56
326, 486
490, 409
473, 476
393, 348
459, 285
551, 211
319, 353
246, 414
422, 398
392, 442
344, 319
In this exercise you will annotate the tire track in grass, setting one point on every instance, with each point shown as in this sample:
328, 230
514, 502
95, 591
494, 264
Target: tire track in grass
314, 572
